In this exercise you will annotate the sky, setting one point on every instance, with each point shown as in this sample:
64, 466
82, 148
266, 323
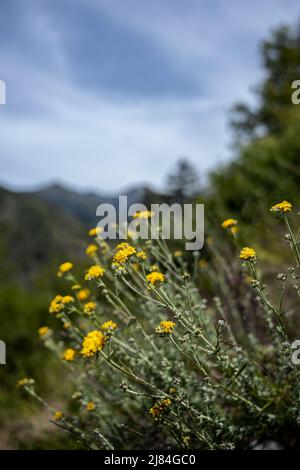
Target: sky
107, 94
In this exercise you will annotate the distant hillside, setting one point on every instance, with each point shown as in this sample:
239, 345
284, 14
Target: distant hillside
83, 205
34, 235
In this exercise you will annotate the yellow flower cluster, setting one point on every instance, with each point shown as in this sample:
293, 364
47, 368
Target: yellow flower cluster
143, 215
177, 253
58, 303
95, 231
64, 268
155, 278
159, 407
89, 308
93, 342
58, 415
76, 287
83, 294
165, 327
94, 273
124, 251
109, 325
247, 254
229, 223
69, 355
90, 406
141, 255
91, 250
282, 207
24, 382
43, 331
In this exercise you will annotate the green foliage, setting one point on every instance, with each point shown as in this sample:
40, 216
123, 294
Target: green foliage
281, 62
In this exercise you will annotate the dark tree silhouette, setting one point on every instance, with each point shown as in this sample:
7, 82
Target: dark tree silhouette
183, 182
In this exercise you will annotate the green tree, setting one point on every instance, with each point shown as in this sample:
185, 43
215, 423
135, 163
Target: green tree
274, 110
183, 182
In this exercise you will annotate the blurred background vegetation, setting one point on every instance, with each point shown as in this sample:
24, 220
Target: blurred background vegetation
41, 229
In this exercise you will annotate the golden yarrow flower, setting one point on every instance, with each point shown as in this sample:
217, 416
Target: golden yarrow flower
247, 254
94, 273
159, 407
143, 215
229, 223
109, 325
64, 268
177, 253
155, 278
93, 342
76, 287
165, 327
124, 251
83, 294
58, 303
67, 299
95, 231
89, 308
58, 415
43, 331
69, 355
90, 406
282, 207
91, 250
141, 255
25, 381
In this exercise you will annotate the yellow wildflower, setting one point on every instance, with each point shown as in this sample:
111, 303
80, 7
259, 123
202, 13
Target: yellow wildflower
143, 215
89, 308
93, 342
24, 382
43, 331
94, 273
247, 254
69, 355
165, 327
67, 299
95, 231
124, 251
177, 253
282, 207
90, 406
159, 407
109, 326
186, 440
64, 268
83, 294
91, 250
141, 255
76, 287
67, 325
58, 415
154, 267
229, 223
56, 305
123, 246
155, 278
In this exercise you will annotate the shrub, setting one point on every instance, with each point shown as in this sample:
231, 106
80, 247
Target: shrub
156, 365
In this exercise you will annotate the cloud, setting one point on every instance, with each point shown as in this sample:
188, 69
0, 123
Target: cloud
106, 143
105, 94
